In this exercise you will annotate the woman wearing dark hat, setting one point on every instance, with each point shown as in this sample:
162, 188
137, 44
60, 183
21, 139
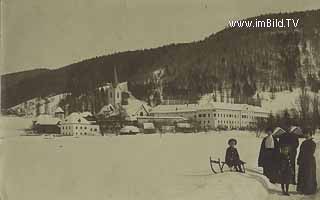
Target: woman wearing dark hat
307, 179
232, 156
269, 156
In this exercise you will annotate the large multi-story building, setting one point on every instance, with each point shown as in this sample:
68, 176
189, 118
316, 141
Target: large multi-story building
76, 125
215, 115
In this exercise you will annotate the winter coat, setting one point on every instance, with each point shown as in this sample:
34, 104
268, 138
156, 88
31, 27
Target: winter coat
307, 178
269, 160
232, 157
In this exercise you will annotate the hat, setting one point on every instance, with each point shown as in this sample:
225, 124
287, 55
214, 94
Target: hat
278, 131
296, 130
232, 140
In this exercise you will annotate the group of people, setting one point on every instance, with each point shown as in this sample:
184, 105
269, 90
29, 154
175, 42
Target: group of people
278, 155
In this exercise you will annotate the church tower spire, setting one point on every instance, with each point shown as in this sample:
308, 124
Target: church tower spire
115, 80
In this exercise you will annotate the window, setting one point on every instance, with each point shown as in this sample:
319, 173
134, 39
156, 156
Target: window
85, 128
214, 115
118, 95
208, 115
95, 130
199, 115
76, 127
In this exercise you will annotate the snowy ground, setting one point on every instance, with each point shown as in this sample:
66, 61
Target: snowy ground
128, 167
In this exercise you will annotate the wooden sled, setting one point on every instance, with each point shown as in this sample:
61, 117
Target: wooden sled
221, 165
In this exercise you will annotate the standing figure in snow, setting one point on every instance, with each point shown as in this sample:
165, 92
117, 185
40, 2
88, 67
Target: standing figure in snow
286, 170
269, 156
232, 156
290, 140
307, 179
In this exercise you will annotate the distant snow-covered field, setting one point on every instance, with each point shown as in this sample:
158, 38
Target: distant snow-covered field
169, 166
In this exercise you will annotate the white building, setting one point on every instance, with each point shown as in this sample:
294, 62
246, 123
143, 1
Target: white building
214, 115
76, 125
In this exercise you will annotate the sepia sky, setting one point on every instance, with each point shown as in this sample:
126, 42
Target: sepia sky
54, 33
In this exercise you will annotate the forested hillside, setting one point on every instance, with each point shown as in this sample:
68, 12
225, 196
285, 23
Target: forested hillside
235, 61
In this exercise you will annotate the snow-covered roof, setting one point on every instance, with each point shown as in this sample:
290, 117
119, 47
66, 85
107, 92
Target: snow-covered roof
175, 108
75, 118
132, 110
209, 106
148, 125
135, 105
183, 125
86, 114
128, 129
59, 110
47, 120
123, 86
163, 117
107, 109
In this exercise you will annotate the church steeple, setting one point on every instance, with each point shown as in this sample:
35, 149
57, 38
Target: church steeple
115, 78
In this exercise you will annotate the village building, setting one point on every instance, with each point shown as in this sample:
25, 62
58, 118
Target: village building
107, 111
132, 112
187, 111
214, 115
164, 120
76, 125
46, 124
59, 113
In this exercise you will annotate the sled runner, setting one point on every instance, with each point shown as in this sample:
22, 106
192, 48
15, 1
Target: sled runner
221, 165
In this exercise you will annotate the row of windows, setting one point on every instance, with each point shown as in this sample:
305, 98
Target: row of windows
228, 122
224, 115
225, 122
70, 133
70, 127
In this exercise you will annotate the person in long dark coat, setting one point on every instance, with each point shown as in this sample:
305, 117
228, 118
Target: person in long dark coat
269, 157
307, 178
292, 141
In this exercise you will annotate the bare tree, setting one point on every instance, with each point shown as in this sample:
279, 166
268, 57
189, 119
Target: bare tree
315, 112
303, 105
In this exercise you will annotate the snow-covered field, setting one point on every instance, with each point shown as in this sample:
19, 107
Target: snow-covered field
128, 167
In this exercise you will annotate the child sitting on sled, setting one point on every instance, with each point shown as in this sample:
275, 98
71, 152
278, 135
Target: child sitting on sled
232, 156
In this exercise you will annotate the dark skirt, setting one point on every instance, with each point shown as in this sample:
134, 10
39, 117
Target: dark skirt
270, 166
307, 178
286, 171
